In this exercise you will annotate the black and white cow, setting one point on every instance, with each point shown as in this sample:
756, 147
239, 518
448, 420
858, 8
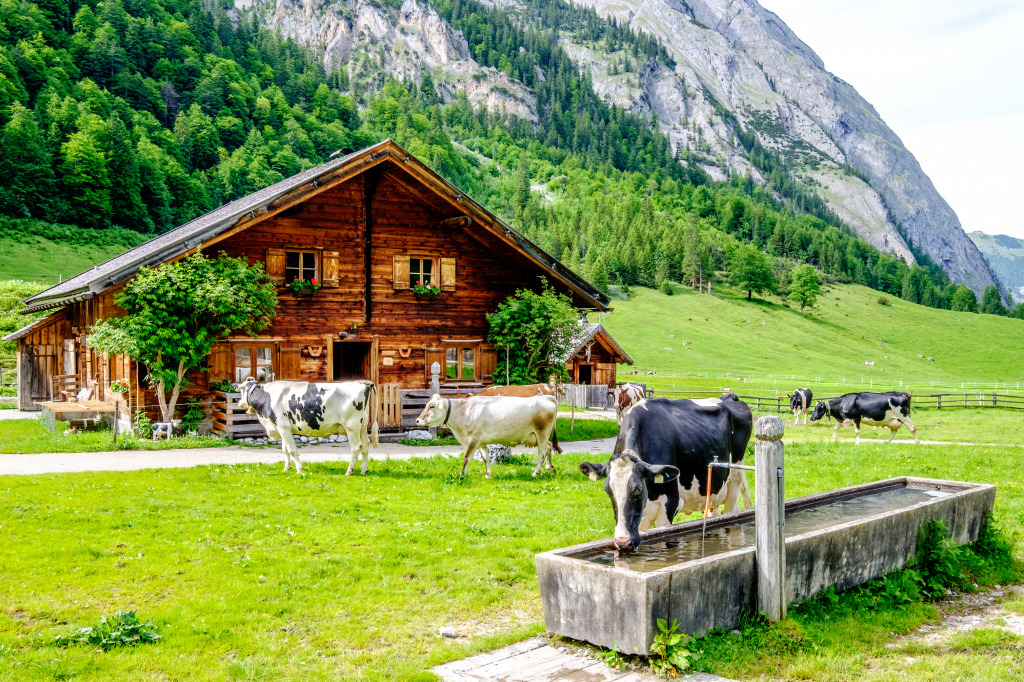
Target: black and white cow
660, 465
891, 409
297, 408
800, 403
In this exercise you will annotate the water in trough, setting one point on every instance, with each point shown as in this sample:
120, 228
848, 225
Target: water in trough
726, 539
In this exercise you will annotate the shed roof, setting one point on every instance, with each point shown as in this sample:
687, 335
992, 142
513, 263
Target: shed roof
586, 333
271, 200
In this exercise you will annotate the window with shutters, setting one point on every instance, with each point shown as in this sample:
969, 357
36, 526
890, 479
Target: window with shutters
299, 265
423, 270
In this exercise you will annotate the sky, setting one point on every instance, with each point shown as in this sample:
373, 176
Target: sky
948, 78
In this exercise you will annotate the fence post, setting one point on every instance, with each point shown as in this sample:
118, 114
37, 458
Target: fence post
938, 402
769, 517
435, 388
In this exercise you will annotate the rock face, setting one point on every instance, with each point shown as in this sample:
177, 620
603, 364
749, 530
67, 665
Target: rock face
1006, 256
737, 67
373, 41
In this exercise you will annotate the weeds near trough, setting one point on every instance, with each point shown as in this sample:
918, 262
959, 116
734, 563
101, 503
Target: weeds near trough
671, 656
612, 658
122, 629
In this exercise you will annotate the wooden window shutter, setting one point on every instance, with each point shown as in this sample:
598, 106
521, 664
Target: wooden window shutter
488, 362
290, 366
401, 269
222, 362
447, 274
275, 265
433, 355
329, 269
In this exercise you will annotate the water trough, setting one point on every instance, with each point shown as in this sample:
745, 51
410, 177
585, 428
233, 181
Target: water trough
841, 538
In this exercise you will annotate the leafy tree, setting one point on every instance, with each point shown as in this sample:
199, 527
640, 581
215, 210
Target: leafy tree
176, 312
751, 270
992, 301
805, 287
26, 179
530, 330
86, 181
964, 300
1017, 311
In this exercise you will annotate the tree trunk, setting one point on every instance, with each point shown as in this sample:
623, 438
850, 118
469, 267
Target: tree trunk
749, 293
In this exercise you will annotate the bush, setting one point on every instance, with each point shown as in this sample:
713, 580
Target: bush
882, 300
666, 288
123, 629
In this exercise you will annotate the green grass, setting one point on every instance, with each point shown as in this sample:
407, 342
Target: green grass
950, 425
28, 436
697, 341
37, 251
254, 574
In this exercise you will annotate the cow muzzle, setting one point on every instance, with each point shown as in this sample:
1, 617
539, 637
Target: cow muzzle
623, 543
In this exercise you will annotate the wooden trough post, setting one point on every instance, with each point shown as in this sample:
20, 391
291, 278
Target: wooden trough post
435, 388
769, 518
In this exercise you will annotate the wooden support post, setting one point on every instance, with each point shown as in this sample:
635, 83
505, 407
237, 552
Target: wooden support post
435, 388
769, 518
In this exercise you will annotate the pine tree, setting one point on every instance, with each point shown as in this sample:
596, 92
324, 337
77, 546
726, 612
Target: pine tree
126, 205
992, 301
86, 182
26, 178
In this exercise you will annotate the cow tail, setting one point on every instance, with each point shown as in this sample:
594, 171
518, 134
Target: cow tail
375, 428
554, 440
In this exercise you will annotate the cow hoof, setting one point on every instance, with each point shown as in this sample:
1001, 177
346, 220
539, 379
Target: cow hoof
348, 473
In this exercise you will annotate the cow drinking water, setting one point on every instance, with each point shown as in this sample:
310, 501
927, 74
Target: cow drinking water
890, 409
497, 420
660, 465
297, 408
800, 403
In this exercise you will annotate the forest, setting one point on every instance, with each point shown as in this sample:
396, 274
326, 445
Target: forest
135, 116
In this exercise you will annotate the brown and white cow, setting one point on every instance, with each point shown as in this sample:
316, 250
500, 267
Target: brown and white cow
495, 420
524, 391
626, 396
297, 408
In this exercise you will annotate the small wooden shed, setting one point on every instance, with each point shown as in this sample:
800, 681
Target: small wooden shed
594, 356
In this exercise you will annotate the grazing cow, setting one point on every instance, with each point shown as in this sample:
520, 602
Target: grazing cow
890, 409
524, 391
800, 403
290, 408
495, 420
660, 465
626, 396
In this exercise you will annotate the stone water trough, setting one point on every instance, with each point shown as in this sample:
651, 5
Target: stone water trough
841, 538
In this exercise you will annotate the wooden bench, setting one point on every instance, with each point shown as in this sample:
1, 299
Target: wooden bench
89, 411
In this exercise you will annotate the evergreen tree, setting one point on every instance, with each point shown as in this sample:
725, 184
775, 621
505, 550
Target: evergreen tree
964, 300
26, 178
86, 182
805, 286
992, 302
126, 205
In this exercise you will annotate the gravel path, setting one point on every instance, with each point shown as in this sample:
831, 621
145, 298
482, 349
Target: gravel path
131, 460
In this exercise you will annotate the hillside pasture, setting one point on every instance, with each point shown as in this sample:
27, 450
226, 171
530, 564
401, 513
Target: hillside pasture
766, 347
253, 574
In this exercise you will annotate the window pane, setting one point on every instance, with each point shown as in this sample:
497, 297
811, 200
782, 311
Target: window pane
428, 271
264, 364
468, 363
291, 259
243, 363
414, 271
451, 363
308, 266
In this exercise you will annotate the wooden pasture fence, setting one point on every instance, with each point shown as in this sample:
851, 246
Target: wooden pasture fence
930, 401
390, 406
584, 395
230, 421
413, 400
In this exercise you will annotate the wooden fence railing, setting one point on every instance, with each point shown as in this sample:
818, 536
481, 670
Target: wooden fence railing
413, 401
583, 395
390, 406
230, 421
936, 401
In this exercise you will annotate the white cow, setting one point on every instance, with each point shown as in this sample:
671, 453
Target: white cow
290, 408
498, 420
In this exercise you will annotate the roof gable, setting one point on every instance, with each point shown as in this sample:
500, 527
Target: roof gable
247, 211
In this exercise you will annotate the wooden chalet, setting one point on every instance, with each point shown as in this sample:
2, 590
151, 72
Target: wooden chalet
367, 225
594, 356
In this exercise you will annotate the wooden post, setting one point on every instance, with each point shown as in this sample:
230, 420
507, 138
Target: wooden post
769, 518
435, 388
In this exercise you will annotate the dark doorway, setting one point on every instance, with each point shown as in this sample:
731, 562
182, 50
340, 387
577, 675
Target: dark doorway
351, 360
585, 376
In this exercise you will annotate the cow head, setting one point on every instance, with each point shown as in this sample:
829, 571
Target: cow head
244, 388
820, 410
436, 412
628, 481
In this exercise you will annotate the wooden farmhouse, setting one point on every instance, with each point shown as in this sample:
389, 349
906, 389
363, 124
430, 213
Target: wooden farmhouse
367, 225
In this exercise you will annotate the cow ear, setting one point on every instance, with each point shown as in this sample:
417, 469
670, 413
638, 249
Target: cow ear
660, 473
594, 471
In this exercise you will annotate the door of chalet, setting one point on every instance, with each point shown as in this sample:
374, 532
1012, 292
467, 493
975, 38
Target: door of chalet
34, 382
70, 357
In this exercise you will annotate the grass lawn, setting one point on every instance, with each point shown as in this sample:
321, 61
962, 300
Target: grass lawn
954, 425
28, 436
697, 341
255, 574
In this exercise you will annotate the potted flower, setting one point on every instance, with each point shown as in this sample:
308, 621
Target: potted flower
425, 291
303, 287
119, 386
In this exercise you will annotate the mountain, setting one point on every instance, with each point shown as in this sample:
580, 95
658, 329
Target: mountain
1006, 256
730, 84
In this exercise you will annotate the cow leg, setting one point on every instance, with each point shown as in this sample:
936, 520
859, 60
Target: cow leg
910, 425
288, 447
355, 447
856, 428
486, 457
736, 486
364, 445
835, 431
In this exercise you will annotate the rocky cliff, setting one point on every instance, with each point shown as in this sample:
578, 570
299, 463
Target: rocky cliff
738, 68
1006, 256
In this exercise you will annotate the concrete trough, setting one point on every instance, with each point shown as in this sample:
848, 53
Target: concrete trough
868, 530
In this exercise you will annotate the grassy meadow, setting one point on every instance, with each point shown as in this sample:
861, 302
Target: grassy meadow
768, 347
35, 258
254, 574
28, 436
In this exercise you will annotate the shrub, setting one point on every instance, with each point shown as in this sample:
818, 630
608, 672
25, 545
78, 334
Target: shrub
882, 300
122, 629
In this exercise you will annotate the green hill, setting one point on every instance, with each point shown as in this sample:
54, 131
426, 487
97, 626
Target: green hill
693, 340
37, 259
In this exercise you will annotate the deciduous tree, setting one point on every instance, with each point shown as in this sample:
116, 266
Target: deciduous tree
805, 287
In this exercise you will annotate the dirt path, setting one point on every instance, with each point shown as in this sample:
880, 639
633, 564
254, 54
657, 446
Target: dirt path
132, 460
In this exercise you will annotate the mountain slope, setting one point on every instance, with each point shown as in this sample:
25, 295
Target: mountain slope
735, 90
1006, 256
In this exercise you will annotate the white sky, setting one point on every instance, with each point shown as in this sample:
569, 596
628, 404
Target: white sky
948, 78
